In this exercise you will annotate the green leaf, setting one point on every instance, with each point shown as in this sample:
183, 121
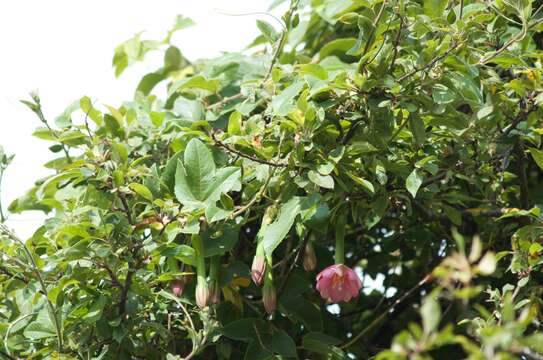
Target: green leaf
142, 191
283, 103
276, 231
324, 181
244, 329
282, 344
537, 155
199, 167
431, 314
268, 31
435, 8
413, 182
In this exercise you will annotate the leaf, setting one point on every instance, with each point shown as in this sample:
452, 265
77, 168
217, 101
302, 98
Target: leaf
190, 110
142, 191
537, 155
324, 181
199, 167
417, 129
268, 31
276, 231
244, 329
282, 344
487, 265
413, 182
435, 8
283, 103
431, 314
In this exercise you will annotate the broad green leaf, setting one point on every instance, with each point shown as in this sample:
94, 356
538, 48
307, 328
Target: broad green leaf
142, 191
276, 231
431, 314
200, 168
283, 103
324, 181
537, 155
413, 182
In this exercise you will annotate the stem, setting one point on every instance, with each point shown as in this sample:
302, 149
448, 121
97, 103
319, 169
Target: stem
214, 268
378, 319
198, 245
44, 291
340, 240
2, 215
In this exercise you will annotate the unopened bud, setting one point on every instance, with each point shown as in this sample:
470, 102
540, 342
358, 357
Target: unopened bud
310, 259
177, 286
269, 298
258, 268
202, 294
214, 292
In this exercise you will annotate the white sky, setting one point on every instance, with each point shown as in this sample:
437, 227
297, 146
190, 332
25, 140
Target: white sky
63, 48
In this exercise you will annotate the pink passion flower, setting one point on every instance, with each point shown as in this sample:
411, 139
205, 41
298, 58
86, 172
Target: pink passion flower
338, 283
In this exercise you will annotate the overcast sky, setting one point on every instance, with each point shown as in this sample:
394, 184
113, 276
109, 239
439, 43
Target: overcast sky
63, 48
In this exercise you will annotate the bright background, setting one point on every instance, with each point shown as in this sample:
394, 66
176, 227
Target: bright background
64, 48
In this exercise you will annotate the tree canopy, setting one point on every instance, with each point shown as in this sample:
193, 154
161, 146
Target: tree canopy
231, 208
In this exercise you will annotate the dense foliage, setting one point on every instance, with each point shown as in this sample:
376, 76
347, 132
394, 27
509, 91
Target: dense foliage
400, 138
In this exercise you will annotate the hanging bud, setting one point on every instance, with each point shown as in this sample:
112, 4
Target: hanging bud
269, 298
202, 294
214, 292
177, 286
310, 259
258, 268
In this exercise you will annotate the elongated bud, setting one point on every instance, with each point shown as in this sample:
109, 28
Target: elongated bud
258, 268
177, 286
269, 296
310, 259
214, 292
202, 294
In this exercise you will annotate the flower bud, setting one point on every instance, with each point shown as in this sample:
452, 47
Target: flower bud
202, 294
269, 298
177, 286
310, 259
214, 292
258, 268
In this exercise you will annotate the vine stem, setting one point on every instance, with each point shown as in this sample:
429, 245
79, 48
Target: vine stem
2, 215
282, 40
391, 308
11, 235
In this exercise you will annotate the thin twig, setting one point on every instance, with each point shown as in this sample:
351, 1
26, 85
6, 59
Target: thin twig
225, 101
396, 45
282, 40
431, 63
390, 309
239, 153
36, 270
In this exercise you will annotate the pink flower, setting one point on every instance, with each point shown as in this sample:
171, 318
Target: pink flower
338, 283
258, 268
177, 286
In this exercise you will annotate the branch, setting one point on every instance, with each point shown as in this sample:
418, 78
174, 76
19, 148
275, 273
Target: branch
282, 40
239, 153
225, 101
389, 310
521, 168
431, 63
36, 270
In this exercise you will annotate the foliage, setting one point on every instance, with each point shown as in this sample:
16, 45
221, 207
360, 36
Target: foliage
403, 134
